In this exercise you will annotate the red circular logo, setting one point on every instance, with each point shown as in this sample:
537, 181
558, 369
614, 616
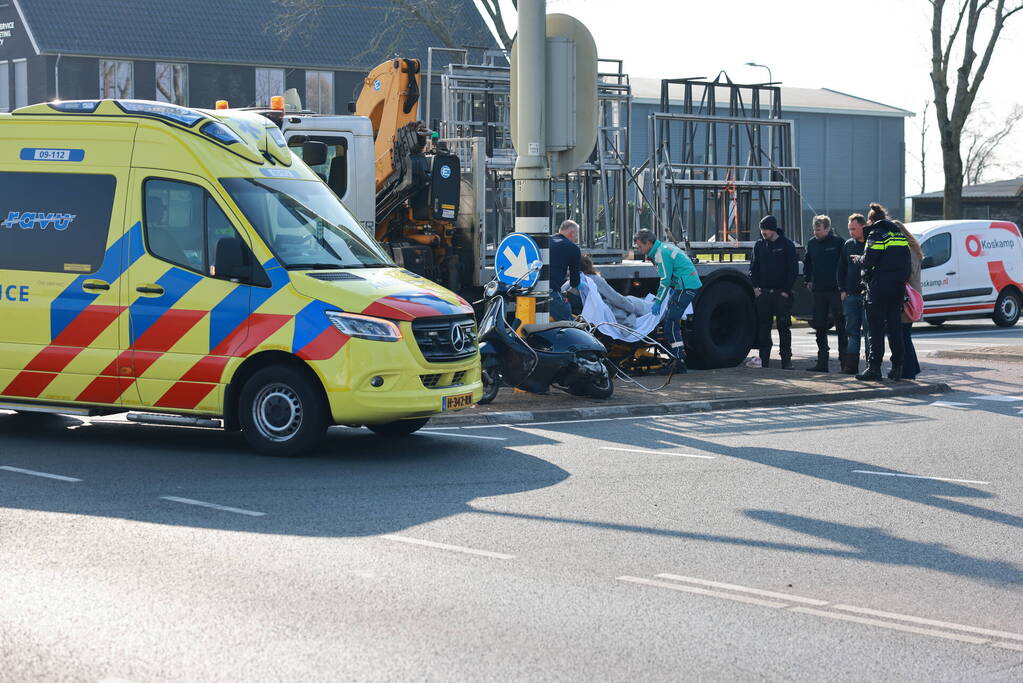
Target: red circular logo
973, 245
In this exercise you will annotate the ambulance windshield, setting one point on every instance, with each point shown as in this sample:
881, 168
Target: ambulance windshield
305, 224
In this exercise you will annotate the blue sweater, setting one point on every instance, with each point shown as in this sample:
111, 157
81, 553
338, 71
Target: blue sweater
565, 257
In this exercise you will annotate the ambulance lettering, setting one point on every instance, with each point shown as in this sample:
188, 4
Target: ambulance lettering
13, 293
26, 220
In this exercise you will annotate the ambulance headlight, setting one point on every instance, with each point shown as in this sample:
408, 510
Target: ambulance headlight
364, 327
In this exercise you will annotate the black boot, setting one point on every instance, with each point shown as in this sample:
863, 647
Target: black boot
850, 363
872, 374
822, 362
786, 362
896, 372
680, 366
765, 361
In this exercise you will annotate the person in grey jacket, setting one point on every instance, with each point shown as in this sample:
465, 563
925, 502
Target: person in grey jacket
625, 308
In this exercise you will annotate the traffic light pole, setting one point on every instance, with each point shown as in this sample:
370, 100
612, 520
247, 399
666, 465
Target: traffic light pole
532, 173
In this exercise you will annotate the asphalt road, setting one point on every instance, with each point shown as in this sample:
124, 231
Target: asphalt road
874, 541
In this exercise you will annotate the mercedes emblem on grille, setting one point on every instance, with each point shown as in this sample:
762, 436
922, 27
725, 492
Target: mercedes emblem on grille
461, 339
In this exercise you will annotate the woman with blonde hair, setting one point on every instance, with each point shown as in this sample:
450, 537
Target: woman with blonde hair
910, 363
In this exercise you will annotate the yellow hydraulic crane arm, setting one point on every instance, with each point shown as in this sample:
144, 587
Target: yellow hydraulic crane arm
389, 97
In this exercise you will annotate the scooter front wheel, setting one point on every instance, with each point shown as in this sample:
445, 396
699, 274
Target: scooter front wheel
491, 385
601, 388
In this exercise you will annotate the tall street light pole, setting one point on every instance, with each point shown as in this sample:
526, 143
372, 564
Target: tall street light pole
770, 78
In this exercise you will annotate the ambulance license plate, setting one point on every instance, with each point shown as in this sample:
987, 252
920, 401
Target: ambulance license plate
456, 402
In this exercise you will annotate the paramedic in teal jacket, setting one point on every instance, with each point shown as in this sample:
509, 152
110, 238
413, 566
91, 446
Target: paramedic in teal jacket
678, 276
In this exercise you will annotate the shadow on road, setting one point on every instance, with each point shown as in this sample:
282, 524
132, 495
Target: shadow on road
358, 484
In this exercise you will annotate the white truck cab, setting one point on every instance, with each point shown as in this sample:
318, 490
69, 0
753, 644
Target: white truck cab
971, 269
350, 169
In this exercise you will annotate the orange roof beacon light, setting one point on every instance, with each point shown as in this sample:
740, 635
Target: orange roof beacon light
277, 103
222, 104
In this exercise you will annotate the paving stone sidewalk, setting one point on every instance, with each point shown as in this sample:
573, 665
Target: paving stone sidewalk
699, 390
1005, 354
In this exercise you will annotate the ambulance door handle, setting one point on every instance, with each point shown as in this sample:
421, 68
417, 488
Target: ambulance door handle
96, 284
149, 289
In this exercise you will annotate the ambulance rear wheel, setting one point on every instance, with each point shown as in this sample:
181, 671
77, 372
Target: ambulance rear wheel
1007, 308
282, 413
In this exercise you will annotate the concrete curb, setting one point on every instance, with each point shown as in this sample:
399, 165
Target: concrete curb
681, 407
978, 355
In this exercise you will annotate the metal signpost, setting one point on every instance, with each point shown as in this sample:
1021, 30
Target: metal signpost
554, 111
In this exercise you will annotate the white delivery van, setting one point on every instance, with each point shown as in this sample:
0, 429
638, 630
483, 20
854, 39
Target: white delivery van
971, 269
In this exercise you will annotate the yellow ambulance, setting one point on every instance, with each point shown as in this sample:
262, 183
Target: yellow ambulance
185, 266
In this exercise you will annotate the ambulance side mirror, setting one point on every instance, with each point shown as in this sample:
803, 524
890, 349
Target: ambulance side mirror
314, 153
231, 262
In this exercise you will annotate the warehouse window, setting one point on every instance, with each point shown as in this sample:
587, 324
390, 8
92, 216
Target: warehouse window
20, 83
172, 83
5, 86
319, 91
269, 82
116, 79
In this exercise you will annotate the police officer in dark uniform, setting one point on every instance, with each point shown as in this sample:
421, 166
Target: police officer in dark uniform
773, 270
820, 272
886, 268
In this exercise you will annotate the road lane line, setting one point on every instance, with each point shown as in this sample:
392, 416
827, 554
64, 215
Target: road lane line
889, 625
1009, 646
919, 476
930, 622
999, 397
225, 508
446, 546
677, 455
463, 436
703, 591
744, 589
951, 404
58, 477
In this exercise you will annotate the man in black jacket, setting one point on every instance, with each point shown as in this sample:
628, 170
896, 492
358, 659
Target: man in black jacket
850, 288
773, 271
820, 272
564, 260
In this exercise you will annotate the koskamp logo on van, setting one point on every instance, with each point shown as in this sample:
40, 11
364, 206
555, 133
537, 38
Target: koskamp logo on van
978, 246
37, 219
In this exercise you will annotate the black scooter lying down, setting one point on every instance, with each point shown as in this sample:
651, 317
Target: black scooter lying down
562, 354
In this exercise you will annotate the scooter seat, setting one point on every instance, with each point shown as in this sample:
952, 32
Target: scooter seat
534, 328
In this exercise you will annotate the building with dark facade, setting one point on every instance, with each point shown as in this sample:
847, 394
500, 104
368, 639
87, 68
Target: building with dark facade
1001, 200
195, 52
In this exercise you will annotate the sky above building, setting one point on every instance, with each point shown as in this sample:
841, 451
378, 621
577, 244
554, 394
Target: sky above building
877, 49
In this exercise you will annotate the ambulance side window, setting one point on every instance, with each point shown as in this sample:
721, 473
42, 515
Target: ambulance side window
937, 250
184, 225
175, 223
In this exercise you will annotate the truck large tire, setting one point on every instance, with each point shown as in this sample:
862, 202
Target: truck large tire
724, 326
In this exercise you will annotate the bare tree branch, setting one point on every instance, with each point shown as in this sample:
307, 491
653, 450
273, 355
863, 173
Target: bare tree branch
983, 148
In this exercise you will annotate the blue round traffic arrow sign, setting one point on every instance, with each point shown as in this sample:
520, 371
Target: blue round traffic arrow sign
514, 255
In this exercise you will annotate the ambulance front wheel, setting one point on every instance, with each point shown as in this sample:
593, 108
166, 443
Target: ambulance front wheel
281, 410
1007, 308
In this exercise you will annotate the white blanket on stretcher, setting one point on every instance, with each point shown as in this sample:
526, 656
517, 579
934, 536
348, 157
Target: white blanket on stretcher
596, 311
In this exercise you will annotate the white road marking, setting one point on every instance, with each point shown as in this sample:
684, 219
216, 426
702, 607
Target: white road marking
445, 546
225, 508
464, 436
930, 622
951, 404
703, 591
889, 625
918, 476
58, 477
1009, 646
677, 455
996, 397
744, 589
